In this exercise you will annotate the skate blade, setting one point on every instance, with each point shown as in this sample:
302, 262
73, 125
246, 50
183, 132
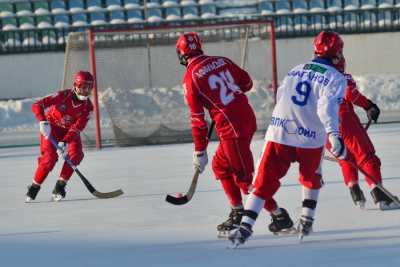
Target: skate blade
57, 198
223, 235
28, 199
288, 231
392, 206
360, 204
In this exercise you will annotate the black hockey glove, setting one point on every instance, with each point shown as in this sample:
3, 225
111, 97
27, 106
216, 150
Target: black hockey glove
373, 111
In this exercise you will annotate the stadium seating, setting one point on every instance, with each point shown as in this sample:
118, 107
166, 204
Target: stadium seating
290, 16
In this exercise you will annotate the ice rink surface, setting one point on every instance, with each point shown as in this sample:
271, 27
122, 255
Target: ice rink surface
141, 229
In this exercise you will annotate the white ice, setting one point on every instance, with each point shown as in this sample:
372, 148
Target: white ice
141, 229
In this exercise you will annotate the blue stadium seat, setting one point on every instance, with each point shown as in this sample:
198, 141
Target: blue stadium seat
61, 21
385, 3
284, 24
132, 4
334, 5
316, 5
79, 19
189, 9
265, 7
113, 4
94, 5
117, 17
97, 18
208, 9
76, 6
154, 13
58, 7
299, 6
350, 4
134, 15
172, 11
318, 22
367, 4
282, 7
41, 8
335, 21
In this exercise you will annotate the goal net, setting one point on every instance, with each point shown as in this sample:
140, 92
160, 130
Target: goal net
138, 76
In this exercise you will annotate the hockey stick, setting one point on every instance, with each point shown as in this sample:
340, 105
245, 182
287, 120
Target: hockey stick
85, 181
180, 200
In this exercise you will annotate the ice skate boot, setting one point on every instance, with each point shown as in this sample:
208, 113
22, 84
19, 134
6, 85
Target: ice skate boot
33, 190
281, 224
383, 201
59, 190
240, 235
358, 196
233, 222
305, 226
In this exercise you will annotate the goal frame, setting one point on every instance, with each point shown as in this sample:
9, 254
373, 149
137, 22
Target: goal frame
92, 54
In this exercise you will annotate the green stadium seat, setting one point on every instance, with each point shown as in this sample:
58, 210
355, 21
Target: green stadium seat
41, 8
23, 8
350, 4
334, 5
43, 22
385, 3
26, 23
9, 24
368, 4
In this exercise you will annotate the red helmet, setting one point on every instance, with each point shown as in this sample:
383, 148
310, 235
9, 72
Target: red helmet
83, 84
188, 45
328, 44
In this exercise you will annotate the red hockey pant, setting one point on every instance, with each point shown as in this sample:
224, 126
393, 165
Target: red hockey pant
274, 164
233, 165
361, 152
48, 157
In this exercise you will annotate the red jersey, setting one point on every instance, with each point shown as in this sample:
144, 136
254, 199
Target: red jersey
64, 112
218, 84
352, 96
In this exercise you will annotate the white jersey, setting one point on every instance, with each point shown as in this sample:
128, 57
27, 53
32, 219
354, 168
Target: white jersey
307, 105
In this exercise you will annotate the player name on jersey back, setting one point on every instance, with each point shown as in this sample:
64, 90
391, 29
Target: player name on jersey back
307, 106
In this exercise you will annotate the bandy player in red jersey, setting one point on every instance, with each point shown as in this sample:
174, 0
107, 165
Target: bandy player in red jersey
306, 112
219, 85
62, 116
361, 151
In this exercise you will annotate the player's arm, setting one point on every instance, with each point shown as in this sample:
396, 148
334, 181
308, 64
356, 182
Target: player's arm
329, 99
358, 99
39, 106
78, 126
241, 77
197, 117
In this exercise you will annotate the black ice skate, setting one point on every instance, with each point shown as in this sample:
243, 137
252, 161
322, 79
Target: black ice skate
358, 196
233, 222
240, 235
33, 190
59, 190
305, 226
281, 224
383, 201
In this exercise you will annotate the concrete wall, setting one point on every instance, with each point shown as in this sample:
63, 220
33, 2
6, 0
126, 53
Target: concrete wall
34, 75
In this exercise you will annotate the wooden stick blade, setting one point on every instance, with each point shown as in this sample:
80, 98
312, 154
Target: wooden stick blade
111, 194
